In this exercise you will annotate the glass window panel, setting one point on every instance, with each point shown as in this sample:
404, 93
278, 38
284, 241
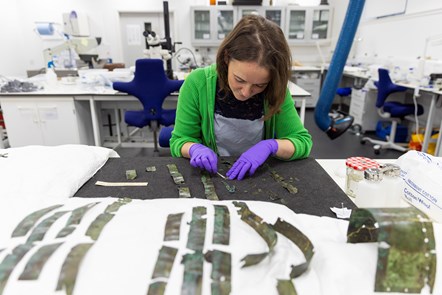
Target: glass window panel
297, 24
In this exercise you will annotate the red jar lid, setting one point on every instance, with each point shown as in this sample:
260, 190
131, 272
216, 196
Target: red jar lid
361, 163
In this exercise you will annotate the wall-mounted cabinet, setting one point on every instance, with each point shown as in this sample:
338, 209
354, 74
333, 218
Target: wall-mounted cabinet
273, 13
302, 25
307, 25
210, 24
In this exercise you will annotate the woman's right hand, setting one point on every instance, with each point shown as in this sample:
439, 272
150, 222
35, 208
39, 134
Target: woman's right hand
203, 157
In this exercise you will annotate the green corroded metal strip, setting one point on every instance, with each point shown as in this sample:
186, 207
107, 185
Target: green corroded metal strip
173, 225
230, 188
300, 240
131, 174
40, 230
221, 274
176, 175
157, 288
74, 219
286, 287
115, 206
10, 262
29, 221
37, 261
96, 227
209, 188
151, 169
193, 273
184, 192
262, 228
70, 268
278, 178
163, 266
221, 227
406, 247
197, 231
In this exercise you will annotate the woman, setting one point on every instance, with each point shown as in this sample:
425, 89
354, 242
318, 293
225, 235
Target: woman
241, 106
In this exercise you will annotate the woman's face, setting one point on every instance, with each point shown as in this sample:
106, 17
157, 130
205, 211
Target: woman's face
246, 79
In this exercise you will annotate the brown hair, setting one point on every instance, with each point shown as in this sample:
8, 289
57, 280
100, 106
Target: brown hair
256, 39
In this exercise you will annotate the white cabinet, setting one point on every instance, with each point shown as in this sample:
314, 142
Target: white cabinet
302, 25
308, 25
362, 108
310, 81
46, 121
210, 24
273, 13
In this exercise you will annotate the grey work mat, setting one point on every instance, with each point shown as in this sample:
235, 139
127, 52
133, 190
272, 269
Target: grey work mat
317, 191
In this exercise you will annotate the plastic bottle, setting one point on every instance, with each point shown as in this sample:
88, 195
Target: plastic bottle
51, 76
396, 74
393, 185
411, 76
370, 191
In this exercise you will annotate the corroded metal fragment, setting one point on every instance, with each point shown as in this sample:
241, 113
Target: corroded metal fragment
71, 266
151, 169
157, 288
286, 287
264, 229
184, 192
193, 273
406, 246
115, 206
221, 274
173, 225
300, 240
40, 230
131, 174
37, 261
29, 221
221, 227
230, 188
163, 266
75, 218
10, 262
176, 175
209, 188
197, 231
96, 227
278, 178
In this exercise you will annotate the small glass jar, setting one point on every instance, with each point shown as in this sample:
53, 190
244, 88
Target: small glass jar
355, 173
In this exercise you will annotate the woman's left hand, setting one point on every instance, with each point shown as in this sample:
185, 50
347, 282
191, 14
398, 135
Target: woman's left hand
251, 159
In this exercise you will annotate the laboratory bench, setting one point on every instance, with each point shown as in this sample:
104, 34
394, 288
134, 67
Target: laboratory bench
71, 114
362, 104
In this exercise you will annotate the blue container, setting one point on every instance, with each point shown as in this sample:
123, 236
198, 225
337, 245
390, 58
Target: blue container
383, 129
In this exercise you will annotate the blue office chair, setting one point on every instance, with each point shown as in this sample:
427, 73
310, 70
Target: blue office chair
390, 110
151, 86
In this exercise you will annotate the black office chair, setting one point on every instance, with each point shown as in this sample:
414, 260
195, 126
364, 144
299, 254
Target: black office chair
151, 86
390, 110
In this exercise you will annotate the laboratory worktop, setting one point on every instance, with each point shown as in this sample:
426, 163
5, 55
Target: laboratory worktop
316, 192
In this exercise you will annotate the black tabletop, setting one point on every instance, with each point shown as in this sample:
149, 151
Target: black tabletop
316, 190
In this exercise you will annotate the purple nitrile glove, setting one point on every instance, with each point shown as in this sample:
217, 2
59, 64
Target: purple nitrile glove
251, 159
203, 157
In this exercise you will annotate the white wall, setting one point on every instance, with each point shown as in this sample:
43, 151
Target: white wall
400, 37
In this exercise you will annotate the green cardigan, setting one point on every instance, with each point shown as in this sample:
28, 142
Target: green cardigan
195, 117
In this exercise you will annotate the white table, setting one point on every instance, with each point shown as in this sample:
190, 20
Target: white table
359, 75
336, 169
